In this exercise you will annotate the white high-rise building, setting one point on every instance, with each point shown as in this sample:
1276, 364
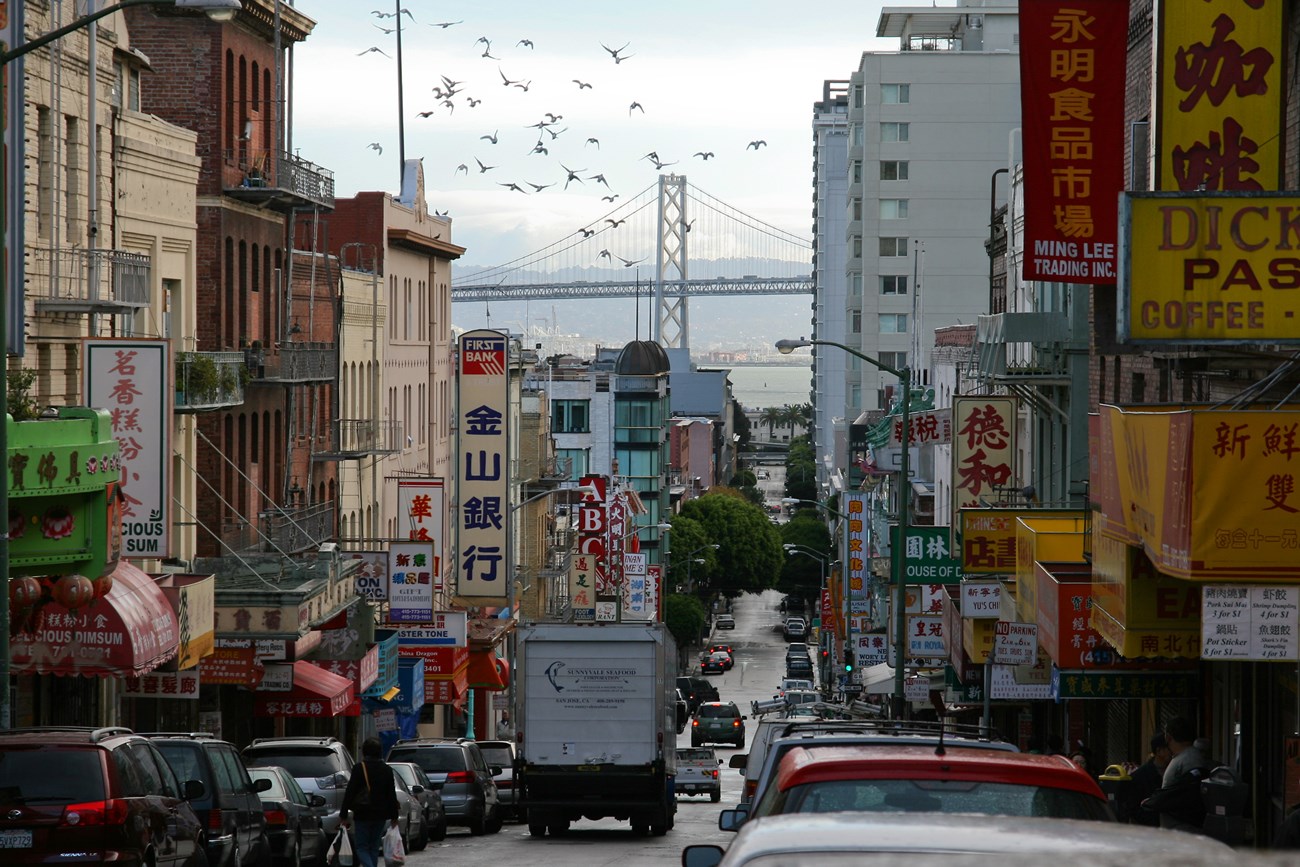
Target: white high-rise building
928, 125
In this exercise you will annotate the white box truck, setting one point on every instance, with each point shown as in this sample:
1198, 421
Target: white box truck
595, 725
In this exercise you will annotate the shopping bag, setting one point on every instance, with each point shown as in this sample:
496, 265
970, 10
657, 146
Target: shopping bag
341, 850
394, 850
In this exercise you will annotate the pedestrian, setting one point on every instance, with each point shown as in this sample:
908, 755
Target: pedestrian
371, 796
1145, 780
505, 730
1178, 800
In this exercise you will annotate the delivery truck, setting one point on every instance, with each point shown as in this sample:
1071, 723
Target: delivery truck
595, 727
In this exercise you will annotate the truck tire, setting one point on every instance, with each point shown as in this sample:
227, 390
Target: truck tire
537, 829
559, 828
715, 796
659, 830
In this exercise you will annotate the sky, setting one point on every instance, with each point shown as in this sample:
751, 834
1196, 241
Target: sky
709, 76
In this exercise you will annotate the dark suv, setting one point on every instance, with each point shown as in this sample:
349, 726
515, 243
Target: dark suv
94, 796
457, 768
230, 808
697, 690
321, 765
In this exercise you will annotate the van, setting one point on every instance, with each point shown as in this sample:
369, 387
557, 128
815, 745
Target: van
751, 763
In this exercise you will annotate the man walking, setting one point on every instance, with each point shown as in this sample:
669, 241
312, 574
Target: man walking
372, 796
1145, 780
1180, 794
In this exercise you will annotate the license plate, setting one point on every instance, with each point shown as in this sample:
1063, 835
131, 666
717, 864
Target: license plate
15, 839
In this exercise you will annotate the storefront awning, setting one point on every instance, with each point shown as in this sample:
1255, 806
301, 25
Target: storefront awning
487, 671
315, 693
878, 679
129, 631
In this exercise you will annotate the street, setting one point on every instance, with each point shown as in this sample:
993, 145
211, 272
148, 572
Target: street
760, 659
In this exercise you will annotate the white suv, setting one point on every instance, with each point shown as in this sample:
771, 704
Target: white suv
725, 621
796, 629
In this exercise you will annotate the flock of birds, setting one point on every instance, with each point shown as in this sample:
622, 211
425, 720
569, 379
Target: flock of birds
452, 93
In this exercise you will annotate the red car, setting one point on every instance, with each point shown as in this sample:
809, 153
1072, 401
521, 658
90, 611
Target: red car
716, 662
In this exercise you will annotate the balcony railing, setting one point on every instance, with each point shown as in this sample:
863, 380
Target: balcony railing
1043, 359
274, 176
359, 437
209, 380
294, 362
77, 280
290, 529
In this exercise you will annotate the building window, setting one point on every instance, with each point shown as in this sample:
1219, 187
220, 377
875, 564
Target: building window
895, 94
896, 360
857, 96
855, 321
893, 209
893, 284
856, 247
576, 460
856, 210
855, 285
893, 170
856, 172
893, 131
570, 416
893, 323
893, 247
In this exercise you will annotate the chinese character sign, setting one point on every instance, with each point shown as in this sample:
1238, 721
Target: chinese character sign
483, 458
855, 557
131, 379
1072, 107
1219, 95
422, 513
411, 567
983, 448
928, 427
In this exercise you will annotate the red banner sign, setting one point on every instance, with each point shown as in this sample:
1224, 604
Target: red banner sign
1072, 115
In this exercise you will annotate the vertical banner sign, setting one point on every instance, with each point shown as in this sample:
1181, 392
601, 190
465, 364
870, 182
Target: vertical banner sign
410, 582
636, 596
654, 578
983, 448
483, 449
14, 180
131, 379
593, 538
1072, 111
1219, 95
618, 524
421, 514
856, 563
582, 588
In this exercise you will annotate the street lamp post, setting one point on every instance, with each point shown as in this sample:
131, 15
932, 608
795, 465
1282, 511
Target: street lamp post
217, 10
785, 347
690, 558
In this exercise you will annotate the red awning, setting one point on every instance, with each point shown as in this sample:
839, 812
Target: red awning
130, 631
484, 673
316, 693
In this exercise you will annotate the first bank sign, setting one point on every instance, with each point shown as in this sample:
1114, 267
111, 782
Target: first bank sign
483, 450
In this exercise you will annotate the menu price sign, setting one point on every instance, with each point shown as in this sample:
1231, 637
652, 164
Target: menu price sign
1250, 622
1015, 643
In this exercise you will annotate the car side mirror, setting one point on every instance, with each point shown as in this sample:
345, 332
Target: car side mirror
742, 716
731, 820
194, 789
495, 769
417, 789
261, 785
316, 800
701, 856
738, 760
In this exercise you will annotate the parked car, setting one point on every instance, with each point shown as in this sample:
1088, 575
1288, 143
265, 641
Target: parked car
796, 629
798, 647
725, 621
93, 796
719, 646
230, 808
321, 765
410, 817
697, 690
788, 683
697, 773
501, 754
435, 820
464, 779
850, 839
799, 666
715, 663
683, 711
294, 819
718, 722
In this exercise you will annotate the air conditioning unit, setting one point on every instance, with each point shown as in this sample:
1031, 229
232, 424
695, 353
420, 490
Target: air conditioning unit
329, 550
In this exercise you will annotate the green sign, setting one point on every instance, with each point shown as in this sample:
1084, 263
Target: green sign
1097, 683
927, 556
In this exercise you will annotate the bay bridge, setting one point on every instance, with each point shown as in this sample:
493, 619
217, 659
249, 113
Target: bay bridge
731, 253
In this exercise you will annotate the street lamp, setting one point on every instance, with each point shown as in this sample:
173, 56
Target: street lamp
787, 501
217, 10
785, 347
690, 558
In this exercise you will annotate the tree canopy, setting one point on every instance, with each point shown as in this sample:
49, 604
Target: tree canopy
802, 573
685, 617
749, 554
801, 470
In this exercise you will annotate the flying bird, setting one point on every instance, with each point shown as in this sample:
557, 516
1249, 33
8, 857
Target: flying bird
604, 254
485, 41
594, 141
451, 85
515, 187
573, 175
652, 156
587, 233
372, 48
555, 118
635, 105
528, 43
492, 138
600, 179
539, 187
473, 102
614, 52
704, 155
439, 214
451, 105
462, 168
487, 52
505, 82
482, 168
614, 224
445, 24
424, 114
755, 144
582, 85
609, 198
524, 85
374, 145
628, 263
387, 30
554, 133
539, 148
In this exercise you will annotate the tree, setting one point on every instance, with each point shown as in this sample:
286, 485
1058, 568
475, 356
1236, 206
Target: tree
740, 426
771, 416
749, 545
686, 536
685, 618
801, 576
801, 470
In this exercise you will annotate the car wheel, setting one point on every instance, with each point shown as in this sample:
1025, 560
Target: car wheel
295, 854
200, 856
478, 826
640, 830
537, 829
715, 796
659, 830
521, 813
421, 839
495, 821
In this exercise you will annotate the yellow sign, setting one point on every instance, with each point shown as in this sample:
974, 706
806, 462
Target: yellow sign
1209, 267
1219, 95
977, 638
988, 537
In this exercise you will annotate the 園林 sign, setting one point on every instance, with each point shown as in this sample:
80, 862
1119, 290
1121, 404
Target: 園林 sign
1015, 643
927, 556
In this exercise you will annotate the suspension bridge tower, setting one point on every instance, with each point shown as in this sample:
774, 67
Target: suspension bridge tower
672, 316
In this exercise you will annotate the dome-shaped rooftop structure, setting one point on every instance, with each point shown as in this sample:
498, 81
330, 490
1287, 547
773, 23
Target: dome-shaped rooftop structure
642, 358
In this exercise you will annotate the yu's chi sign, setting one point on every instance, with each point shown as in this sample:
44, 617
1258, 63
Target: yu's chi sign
483, 458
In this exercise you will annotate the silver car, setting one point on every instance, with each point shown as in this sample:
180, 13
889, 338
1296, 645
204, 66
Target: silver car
410, 817
501, 754
321, 765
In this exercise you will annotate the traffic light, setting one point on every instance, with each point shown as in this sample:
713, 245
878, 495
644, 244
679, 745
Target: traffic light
826, 654
848, 660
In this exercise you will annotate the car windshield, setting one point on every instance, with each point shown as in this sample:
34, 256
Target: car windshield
716, 711
405, 771
499, 756
301, 763
939, 796
434, 761
50, 776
